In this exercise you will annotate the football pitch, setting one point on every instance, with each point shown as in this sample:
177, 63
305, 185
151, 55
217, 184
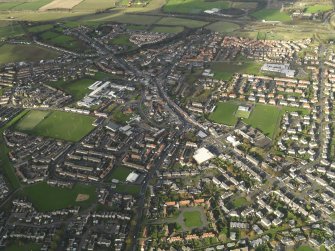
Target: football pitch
56, 124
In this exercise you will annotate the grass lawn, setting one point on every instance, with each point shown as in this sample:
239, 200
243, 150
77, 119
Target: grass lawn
128, 189
76, 88
119, 117
122, 39
224, 113
225, 71
40, 28
32, 119
238, 202
265, 118
167, 29
31, 5
10, 53
48, 198
60, 125
193, 6
319, 8
304, 248
175, 21
23, 246
223, 27
242, 114
271, 15
120, 173
192, 219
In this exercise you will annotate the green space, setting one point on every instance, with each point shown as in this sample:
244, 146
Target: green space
223, 27
265, 118
134, 27
242, 114
31, 5
120, 117
224, 113
40, 28
122, 39
128, 189
76, 88
120, 173
318, 8
239, 202
271, 15
10, 29
89, 5
128, 19
304, 248
58, 124
32, 119
225, 70
193, 6
175, 21
167, 29
10, 53
23, 246
9, 5
192, 219
47, 198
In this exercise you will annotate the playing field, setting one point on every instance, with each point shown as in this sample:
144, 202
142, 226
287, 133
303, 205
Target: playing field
175, 21
224, 113
223, 27
58, 124
271, 15
76, 88
193, 6
242, 114
15, 53
192, 219
120, 173
225, 71
32, 119
265, 118
47, 198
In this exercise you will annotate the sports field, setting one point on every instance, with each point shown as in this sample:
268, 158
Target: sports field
223, 27
15, 53
120, 173
76, 88
265, 118
193, 6
57, 124
271, 15
175, 21
225, 71
192, 219
122, 39
224, 113
47, 198
242, 114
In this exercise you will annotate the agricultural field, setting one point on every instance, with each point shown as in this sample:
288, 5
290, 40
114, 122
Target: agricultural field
60, 4
31, 5
167, 29
271, 15
16, 53
120, 173
193, 6
40, 28
10, 29
192, 219
59, 125
76, 88
89, 5
175, 21
225, 71
224, 113
47, 198
318, 8
223, 27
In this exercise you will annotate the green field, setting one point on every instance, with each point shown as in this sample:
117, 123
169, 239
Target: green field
32, 119
192, 219
10, 53
225, 71
122, 39
23, 246
31, 5
120, 173
76, 88
223, 27
48, 198
167, 29
224, 113
58, 124
40, 28
265, 118
193, 6
89, 5
128, 189
175, 21
318, 8
271, 15
242, 114
238, 202
304, 248
10, 29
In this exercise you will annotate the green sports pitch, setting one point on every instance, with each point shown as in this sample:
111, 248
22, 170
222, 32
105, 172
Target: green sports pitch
56, 124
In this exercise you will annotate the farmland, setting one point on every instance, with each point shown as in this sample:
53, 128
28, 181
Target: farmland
46, 198
193, 6
60, 4
57, 124
223, 27
77, 88
174, 21
16, 53
167, 29
318, 8
271, 15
